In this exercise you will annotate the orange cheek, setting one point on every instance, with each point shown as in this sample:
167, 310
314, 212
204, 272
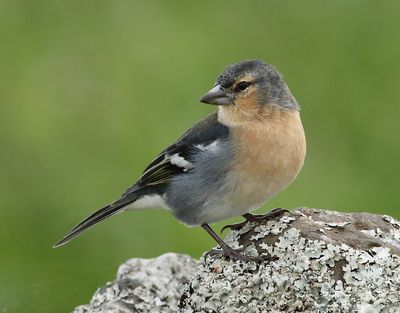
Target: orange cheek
246, 109
248, 101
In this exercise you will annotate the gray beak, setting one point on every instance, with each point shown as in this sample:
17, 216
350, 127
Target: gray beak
217, 96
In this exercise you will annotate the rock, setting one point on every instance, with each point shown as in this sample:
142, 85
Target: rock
144, 286
319, 261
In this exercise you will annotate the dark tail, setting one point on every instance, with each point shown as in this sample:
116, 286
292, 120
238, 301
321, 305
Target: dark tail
96, 217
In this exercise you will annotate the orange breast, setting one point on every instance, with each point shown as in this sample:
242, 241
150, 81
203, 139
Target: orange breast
270, 154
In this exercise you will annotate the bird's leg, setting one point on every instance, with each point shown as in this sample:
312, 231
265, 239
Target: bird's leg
256, 218
227, 250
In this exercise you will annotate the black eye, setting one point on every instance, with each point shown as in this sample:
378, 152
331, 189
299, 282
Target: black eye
242, 86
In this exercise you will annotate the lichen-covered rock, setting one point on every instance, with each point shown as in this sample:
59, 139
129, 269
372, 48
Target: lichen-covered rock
321, 261
318, 261
144, 286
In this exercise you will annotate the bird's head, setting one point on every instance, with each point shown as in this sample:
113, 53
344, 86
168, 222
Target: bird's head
249, 88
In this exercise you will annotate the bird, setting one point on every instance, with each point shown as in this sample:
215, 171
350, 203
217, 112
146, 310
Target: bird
229, 163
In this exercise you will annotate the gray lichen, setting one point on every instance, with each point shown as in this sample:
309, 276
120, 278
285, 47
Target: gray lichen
144, 286
319, 261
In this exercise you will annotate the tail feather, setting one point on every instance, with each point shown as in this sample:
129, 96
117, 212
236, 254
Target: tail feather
96, 217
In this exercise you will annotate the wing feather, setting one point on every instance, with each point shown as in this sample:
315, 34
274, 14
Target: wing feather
160, 171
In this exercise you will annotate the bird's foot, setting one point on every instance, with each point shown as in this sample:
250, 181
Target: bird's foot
237, 226
227, 251
277, 212
235, 255
256, 218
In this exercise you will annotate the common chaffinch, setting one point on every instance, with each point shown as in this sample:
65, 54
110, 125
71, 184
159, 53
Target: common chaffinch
229, 163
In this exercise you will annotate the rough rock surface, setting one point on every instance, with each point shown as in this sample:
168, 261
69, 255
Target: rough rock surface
319, 261
144, 286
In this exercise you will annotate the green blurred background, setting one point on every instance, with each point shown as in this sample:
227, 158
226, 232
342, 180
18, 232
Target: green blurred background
91, 91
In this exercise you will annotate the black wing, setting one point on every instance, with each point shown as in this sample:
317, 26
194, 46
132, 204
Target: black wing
161, 169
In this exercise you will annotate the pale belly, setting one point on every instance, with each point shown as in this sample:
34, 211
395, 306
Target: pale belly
245, 193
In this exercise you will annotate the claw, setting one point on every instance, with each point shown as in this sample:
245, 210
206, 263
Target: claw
265, 217
227, 251
237, 226
256, 218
